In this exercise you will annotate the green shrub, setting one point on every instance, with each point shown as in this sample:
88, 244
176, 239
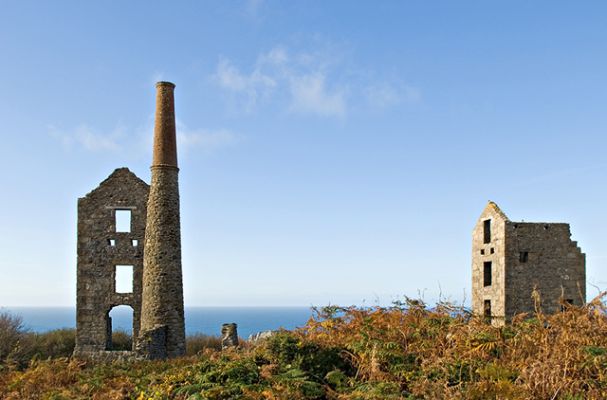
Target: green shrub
56, 343
195, 344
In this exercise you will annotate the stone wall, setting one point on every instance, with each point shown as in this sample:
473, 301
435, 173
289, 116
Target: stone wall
542, 256
494, 251
525, 256
100, 249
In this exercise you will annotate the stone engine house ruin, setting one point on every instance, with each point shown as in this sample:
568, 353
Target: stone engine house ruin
512, 259
105, 248
128, 227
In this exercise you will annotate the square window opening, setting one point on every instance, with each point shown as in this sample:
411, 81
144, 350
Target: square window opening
487, 278
123, 220
134, 242
111, 242
124, 279
523, 256
482, 252
492, 250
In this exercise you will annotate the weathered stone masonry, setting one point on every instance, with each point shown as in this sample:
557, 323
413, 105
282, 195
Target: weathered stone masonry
100, 249
511, 259
162, 321
152, 246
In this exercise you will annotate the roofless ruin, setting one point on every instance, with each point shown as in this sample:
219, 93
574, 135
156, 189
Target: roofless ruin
510, 260
148, 248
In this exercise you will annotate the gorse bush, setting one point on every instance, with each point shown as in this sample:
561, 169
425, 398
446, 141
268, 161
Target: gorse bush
402, 352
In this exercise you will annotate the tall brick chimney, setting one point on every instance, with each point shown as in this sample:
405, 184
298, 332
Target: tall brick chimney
162, 332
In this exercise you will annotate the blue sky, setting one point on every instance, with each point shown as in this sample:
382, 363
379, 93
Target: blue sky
331, 152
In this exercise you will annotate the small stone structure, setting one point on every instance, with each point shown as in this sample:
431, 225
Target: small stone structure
150, 247
229, 335
512, 259
101, 248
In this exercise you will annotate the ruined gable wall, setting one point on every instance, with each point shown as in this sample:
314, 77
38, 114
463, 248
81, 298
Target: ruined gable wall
96, 293
552, 263
485, 252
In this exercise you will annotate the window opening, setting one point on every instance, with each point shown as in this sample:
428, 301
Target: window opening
134, 242
120, 328
523, 256
482, 252
487, 310
124, 279
487, 273
123, 220
487, 231
111, 242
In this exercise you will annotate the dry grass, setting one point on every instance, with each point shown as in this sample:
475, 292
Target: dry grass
400, 352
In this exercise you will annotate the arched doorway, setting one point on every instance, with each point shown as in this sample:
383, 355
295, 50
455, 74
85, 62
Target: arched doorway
120, 328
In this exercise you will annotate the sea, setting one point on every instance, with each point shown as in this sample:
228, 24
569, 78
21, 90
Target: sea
203, 320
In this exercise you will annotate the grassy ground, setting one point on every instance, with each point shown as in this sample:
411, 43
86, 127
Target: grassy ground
401, 352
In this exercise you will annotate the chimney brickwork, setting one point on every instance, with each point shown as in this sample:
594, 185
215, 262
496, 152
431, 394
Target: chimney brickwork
162, 315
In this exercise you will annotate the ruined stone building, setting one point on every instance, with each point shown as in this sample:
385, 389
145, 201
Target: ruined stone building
103, 250
511, 259
146, 248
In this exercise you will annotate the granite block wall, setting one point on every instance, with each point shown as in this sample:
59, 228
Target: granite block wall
100, 248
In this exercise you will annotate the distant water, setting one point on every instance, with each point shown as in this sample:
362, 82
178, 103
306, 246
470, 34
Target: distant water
206, 320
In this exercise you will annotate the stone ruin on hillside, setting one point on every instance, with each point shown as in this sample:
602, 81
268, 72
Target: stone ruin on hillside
148, 248
511, 260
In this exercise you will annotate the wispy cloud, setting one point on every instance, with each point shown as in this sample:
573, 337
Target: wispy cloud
188, 139
303, 77
310, 95
255, 86
87, 138
316, 83
388, 94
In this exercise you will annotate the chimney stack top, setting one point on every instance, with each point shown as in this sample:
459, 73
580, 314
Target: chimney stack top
165, 143
165, 83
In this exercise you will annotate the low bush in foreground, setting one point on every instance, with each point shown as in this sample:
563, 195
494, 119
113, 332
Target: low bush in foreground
19, 346
400, 352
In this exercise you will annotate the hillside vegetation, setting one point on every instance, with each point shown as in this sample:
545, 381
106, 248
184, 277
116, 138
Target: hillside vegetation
402, 352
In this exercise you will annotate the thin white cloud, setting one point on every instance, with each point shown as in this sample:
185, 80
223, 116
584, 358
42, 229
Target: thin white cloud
278, 56
85, 137
384, 95
188, 139
314, 83
255, 86
309, 95
302, 77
